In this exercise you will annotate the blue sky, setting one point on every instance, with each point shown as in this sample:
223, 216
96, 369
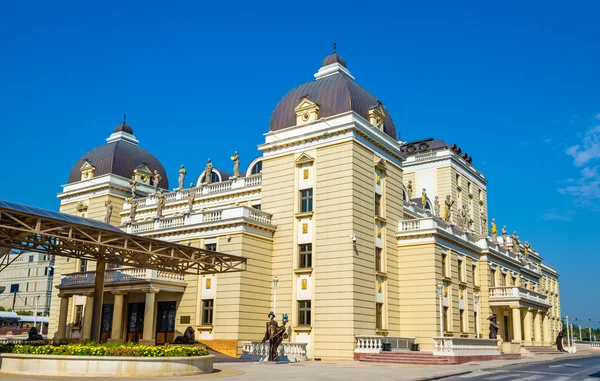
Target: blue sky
515, 84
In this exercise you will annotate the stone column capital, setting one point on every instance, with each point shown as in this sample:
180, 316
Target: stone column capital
119, 292
151, 291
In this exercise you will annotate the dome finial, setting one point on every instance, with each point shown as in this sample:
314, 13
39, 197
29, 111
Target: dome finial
334, 47
124, 118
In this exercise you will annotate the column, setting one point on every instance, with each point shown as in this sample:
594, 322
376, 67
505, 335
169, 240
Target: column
516, 322
149, 317
88, 314
117, 318
98, 300
528, 339
62, 317
537, 329
547, 339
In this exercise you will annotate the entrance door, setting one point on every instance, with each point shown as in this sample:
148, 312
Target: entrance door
135, 322
506, 329
165, 322
106, 326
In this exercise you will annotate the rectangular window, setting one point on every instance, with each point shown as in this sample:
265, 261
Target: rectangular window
304, 313
460, 271
31, 258
306, 200
501, 284
377, 204
82, 265
447, 322
462, 320
305, 256
211, 246
475, 321
379, 315
28, 272
493, 278
469, 187
78, 314
207, 311
46, 271
474, 275
444, 265
257, 207
378, 252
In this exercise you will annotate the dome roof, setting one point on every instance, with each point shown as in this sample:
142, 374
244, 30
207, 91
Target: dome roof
335, 94
333, 58
124, 127
119, 158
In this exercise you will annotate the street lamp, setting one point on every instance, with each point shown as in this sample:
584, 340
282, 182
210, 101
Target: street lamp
580, 337
476, 296
275, 280
440, 289
590, 332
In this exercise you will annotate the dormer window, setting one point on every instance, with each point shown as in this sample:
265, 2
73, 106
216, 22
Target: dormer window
377, 116
306, 111
87, 171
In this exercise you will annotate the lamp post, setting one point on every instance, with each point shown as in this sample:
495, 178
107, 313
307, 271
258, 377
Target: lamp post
476, 296
572, 342
590, 332
440, 289
568, 340
275, 280
580, 337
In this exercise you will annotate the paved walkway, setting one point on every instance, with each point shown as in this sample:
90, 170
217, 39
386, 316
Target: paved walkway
334, 371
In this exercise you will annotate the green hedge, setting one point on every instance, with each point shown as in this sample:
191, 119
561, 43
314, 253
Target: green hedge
105, 349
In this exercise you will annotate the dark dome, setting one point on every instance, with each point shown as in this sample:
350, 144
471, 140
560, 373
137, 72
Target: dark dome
333, 58
119, 158
124, 127
334, 94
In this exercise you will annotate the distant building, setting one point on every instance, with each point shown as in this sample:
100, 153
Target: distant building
30, 275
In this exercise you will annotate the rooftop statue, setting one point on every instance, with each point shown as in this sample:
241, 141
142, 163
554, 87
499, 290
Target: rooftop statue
155, 180
515, 243
160, 204
504, 236
132, 185
436, 206
132, 210
423, 198
109, 209
526, 247
410, 190
236, 165
448, 208
191, 198
275, 334
208, 172
494, 230
182, 172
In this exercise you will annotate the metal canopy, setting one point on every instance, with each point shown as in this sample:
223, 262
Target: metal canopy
25, 228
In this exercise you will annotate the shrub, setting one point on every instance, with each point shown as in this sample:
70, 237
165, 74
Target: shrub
104, 349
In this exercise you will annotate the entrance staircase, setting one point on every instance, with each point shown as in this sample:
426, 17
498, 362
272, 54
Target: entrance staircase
537, 351
426, 358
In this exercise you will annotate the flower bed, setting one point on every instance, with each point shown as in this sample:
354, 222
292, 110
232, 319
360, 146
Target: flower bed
104, 349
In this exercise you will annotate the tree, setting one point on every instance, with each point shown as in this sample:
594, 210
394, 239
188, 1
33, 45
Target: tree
25, 313
2, 308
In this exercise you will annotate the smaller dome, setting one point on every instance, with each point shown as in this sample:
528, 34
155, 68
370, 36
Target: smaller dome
124, 127
333, 58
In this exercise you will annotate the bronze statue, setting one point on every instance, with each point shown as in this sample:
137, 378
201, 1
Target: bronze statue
187, 338
34, 335
559, 340
448, 208
494, 327
208, 173
133, 185
526, 247
410, 191
423, 198
494, 231
236, 165
155, 180
275, 334
109, 209
182, 172
436, 206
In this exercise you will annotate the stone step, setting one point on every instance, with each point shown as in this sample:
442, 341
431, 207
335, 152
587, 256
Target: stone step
408, 361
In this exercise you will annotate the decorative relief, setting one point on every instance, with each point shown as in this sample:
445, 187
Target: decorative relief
304, 228
304, 284
461, 293
378, 179
378, 232
445, 291
208, 283
379, 287
305, 173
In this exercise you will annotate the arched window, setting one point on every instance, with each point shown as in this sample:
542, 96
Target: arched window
257, 168
215, 178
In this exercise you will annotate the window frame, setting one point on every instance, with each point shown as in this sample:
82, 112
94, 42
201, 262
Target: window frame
208, 306
303, 262
378, 315
210, 246
378, 202
378, 259
304, 313
306, 201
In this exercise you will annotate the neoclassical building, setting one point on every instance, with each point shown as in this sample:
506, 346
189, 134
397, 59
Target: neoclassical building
347, 230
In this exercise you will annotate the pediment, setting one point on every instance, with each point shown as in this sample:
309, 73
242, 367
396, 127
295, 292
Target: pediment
86, 166
381, 164
142, 169
304, 159
81, 206
306, 104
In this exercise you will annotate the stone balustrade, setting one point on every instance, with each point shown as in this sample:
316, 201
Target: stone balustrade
258, 351
199, 218
462, 346
374, 344
506, 293
222, 186
119, 275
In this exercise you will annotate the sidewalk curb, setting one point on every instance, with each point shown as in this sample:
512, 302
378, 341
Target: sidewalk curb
446, 375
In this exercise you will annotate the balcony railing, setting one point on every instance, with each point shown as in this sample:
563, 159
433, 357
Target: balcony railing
223, 186
463, 346
120, 275
435, 223
257, 351
202, 217
507, 293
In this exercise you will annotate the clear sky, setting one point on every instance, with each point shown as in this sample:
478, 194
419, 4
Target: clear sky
515, 84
